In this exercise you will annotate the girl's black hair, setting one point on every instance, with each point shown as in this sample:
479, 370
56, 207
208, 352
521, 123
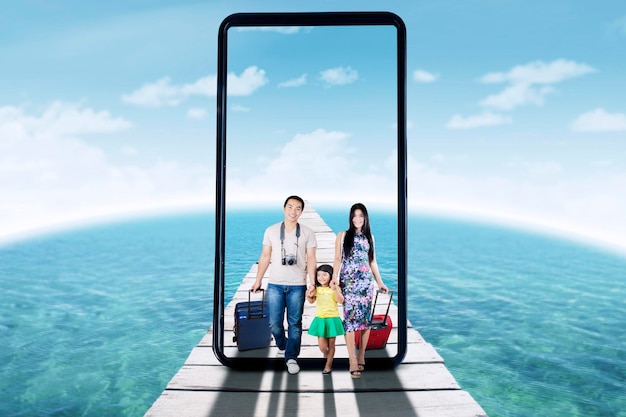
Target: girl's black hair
348, 240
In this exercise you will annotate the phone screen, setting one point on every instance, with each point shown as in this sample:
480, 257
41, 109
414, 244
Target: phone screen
311, 104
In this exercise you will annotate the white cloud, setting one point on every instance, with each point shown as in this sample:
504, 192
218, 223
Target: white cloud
531, 83
602, 163
164, 93
589, 208
294, 82
537, 168
481, 120
239, 108
129, 150
545, 168
599, 120
62, 119
540, 73
285, 30
339, 76
157, 94
197, 113
422, 76
517, 95
311, 164
205, 86
49, 175
247, 83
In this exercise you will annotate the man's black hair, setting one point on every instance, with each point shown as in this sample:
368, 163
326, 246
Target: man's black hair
294, 197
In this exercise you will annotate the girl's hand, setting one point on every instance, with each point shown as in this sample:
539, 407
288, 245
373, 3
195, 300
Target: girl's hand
310, 292
384, 289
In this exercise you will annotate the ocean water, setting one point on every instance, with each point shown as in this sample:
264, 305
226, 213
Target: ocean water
96, 321
528, 324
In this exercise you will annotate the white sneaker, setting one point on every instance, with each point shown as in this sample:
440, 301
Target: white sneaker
293, 367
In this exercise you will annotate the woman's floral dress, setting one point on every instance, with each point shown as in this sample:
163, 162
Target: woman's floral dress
357, 285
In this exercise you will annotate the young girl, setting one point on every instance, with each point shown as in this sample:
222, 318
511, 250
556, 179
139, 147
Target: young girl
326, 325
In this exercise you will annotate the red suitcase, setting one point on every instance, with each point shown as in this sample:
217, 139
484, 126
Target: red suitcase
380, 328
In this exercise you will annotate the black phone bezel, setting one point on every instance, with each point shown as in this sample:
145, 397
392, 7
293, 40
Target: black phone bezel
307, 19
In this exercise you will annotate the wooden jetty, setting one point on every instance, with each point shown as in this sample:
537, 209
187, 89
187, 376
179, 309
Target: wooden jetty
421, 386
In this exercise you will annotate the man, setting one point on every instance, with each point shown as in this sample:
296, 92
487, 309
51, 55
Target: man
289, 248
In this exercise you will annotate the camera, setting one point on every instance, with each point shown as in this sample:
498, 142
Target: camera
290, 260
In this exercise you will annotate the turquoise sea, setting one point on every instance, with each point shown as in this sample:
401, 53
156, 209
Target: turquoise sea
96, 321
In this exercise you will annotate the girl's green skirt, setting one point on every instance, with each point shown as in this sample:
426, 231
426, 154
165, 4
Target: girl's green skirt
328, 327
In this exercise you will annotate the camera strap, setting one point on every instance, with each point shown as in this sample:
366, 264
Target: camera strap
282, 231
282, 238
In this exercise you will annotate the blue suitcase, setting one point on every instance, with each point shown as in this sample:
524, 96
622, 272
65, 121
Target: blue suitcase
252, 326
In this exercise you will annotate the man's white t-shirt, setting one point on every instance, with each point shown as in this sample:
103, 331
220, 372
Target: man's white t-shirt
289, 274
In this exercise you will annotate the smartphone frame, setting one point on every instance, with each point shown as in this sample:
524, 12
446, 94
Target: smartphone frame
307, 19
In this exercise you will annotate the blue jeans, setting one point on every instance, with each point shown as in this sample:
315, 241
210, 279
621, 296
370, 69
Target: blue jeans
291, 298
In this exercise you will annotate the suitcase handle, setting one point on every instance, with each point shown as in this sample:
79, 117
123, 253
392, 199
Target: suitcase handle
262, 304
390, 292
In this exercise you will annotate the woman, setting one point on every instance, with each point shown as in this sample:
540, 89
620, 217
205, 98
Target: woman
355, 261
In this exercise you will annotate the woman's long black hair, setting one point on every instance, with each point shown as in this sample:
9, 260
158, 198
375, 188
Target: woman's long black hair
348, 240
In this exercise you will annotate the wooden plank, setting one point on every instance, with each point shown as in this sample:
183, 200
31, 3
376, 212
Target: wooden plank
407, 377
331, 404
308, 340
416, 353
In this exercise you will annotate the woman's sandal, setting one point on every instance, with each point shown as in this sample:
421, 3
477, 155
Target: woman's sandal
361, 367
326, 371
355, 374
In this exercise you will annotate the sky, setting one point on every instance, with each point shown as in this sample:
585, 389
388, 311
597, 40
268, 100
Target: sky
515, 111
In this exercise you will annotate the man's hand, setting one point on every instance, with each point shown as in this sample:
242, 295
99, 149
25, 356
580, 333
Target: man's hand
255, 287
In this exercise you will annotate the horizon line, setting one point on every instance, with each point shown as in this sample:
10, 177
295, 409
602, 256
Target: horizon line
59, 224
